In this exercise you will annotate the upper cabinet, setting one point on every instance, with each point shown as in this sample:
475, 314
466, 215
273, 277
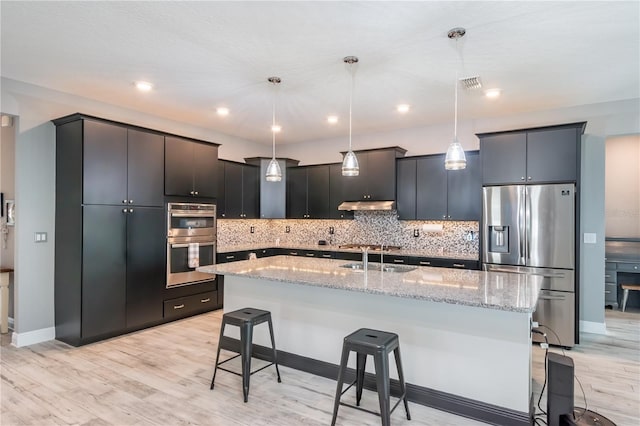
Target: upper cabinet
308, 192
336, 193
377, 178
191, 168
120, 165
239, 197
427, 191
539, 155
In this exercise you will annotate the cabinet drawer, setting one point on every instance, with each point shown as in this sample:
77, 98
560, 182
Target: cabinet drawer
611, 293
610, 266
188, 305
628, 267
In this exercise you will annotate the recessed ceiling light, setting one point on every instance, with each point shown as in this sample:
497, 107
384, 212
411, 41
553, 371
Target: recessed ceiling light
403, 108
222, 111
492, 93
332, 119
144, 86
276, 128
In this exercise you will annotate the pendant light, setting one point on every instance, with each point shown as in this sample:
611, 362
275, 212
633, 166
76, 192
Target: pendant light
455, 158
350, 165
274, 174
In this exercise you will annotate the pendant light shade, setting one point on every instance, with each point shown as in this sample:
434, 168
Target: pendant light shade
455, 158
350, 165
274, 173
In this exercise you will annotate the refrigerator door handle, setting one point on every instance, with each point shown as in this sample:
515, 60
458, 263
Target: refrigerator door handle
547, 297
523, 218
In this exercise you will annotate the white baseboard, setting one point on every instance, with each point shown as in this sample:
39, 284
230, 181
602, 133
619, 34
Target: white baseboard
593, 327
32, 337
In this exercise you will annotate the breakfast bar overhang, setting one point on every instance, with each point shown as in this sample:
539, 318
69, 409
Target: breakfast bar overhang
465, 334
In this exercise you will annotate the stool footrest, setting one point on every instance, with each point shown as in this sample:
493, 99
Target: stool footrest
374, 412
240, 374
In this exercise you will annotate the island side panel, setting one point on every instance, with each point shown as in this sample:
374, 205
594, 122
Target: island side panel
477, 353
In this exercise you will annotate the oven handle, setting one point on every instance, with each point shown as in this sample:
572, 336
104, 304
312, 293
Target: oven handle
187, 245
193, 214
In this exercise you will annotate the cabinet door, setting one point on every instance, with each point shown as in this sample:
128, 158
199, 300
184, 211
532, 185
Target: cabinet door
250, 192
336, 196
146, 267
104, 163
380, 174
103, 270
504, 158
296, 192
318, 192
552, 155
464, 191
221, 195
406, 189
145, 165
205, 173
178, 166
233, 190
431, 188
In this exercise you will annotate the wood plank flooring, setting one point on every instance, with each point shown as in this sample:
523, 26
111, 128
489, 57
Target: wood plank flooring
161, 376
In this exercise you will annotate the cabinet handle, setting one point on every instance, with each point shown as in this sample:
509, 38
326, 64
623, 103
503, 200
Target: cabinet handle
196, 192
425, 263
311, 255
222, 215
178, 306
326, 255
635, 267
607, 276
191, 192
293, 253
205, 300
607, 292
444, 216
448, 216
522, 178
231, 257
398, 261
529, 178
124, 201
130, 201
124, 210
130, 210
458, 265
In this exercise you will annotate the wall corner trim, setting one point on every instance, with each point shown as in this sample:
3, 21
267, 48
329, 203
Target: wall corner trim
593, 327
32, 337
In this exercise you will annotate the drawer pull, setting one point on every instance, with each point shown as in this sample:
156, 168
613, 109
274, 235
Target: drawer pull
208, 299
310, 254
607, 276
398, 261
425, 263
458, 265
293, 253
231, 257
178, 306
607, 292
326, 255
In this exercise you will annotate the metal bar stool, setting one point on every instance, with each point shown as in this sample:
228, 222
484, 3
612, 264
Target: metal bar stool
625, 294
245, 319
378, 344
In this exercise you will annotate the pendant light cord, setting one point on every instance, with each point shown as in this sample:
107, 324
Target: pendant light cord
351, 101
273, 123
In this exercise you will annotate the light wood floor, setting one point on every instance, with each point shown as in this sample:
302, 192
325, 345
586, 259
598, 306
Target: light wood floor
161, 376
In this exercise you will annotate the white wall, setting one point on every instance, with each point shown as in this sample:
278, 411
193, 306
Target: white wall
622, 186
35, 168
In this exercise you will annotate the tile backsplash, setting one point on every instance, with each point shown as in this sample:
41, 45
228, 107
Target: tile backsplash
372, 227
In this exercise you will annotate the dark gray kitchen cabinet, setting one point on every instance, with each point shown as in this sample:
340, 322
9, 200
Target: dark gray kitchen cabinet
336, 196
190, 168
308, 192
538, 155
121, 166
427, 191
240, 199
377, 178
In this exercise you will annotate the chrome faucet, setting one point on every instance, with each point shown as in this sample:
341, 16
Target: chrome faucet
365, 258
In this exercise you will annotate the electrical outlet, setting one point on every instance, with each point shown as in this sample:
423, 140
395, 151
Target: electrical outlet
331, 230
470, 236
252, 229
287, 229
40, 237
416, 232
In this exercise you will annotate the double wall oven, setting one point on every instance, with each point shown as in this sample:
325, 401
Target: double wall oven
191, 242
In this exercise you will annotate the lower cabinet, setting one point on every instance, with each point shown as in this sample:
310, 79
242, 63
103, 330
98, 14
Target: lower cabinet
190, 305
611, 285
439, 262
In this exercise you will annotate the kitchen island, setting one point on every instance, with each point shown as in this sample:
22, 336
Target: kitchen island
464, 335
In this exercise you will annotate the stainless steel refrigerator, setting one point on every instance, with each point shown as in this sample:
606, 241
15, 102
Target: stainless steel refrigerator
530, 229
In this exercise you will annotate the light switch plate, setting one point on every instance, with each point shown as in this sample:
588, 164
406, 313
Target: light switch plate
589, 238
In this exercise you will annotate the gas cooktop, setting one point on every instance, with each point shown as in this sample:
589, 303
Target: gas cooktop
372, 247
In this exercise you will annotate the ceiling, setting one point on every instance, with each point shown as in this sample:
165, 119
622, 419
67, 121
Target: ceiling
203, 55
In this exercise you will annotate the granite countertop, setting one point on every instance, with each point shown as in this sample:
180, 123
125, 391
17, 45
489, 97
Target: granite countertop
492, 290
402, 252
622, 251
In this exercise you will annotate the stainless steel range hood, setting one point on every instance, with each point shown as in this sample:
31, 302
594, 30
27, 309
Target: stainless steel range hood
367, 205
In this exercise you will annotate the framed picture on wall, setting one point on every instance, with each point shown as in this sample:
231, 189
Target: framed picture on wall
11, 212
